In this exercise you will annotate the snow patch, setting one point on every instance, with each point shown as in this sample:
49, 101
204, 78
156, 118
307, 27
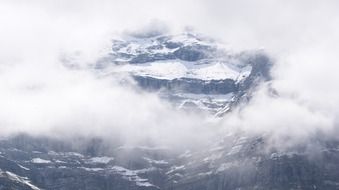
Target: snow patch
175, 69
100, 160
92, 169
23, 167
175, 169
162, 162
40, 161
19, 179
131, 175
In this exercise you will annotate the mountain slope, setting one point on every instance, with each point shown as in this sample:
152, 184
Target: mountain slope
189, 70
192, 73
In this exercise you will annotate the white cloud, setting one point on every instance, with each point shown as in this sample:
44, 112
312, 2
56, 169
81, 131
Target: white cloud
38, 94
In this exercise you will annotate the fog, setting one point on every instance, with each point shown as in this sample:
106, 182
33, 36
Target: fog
39, 95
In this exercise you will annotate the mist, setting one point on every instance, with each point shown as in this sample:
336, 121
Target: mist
42, 95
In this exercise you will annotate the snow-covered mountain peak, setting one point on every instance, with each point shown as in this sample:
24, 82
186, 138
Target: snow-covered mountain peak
185, 64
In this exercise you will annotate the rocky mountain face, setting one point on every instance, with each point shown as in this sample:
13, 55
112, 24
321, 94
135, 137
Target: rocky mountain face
235, 162
194, 73
188, 70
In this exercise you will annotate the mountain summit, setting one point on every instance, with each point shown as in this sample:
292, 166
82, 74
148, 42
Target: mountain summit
189, 70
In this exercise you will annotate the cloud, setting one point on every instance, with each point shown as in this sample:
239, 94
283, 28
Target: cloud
40, 95
301, 36
61, 102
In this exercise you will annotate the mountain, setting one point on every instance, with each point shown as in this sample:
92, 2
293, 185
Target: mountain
189, 70
193, 73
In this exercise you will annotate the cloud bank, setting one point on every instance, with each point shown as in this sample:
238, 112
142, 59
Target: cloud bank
41, 96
